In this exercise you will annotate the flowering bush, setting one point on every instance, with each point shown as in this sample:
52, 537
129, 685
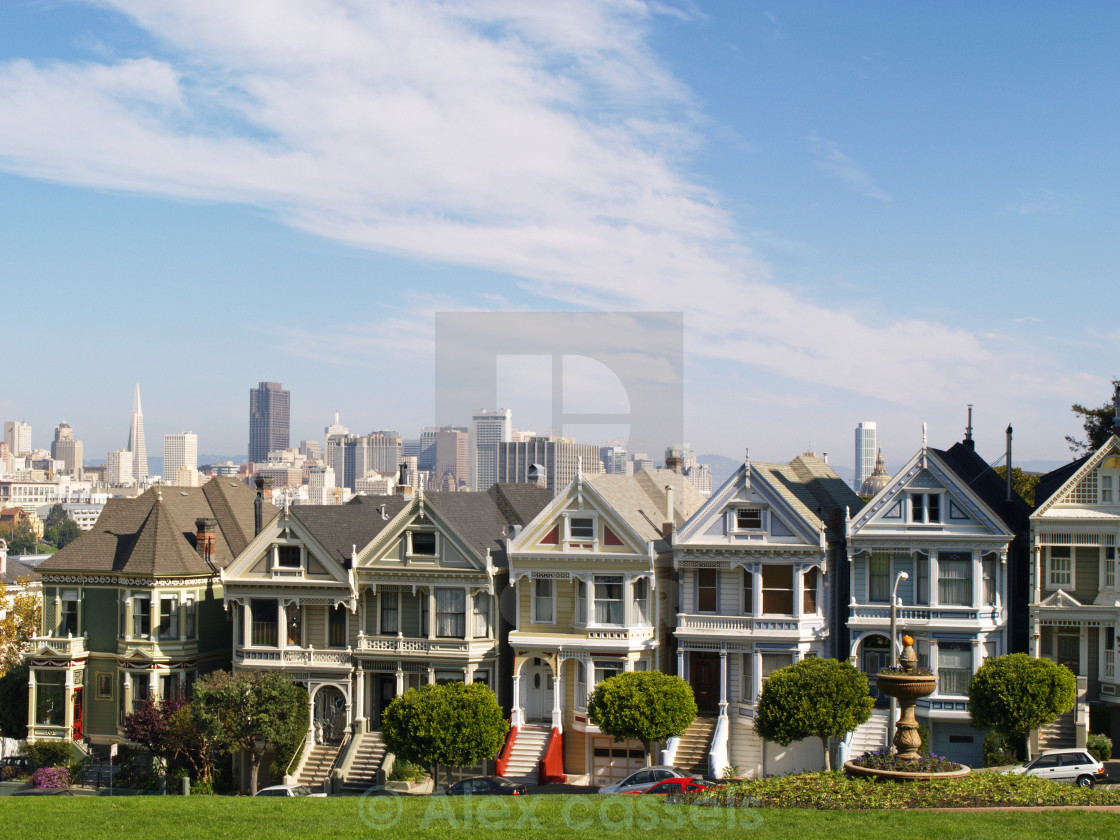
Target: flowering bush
886, 760
1100, 746
50, 777
919, 670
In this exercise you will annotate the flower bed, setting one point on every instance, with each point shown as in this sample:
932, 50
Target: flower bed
50, 777
838, 791
919, 670
886, 760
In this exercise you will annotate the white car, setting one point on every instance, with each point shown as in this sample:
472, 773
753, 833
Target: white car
1072, 765
289, 790
642, 779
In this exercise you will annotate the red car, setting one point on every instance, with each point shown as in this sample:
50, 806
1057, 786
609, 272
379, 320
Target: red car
676, 786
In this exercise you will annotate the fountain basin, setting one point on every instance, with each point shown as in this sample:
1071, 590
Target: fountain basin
907, 686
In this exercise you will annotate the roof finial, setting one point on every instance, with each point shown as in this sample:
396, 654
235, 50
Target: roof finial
159, 491
924, 441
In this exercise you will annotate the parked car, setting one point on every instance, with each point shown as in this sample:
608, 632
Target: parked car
21, 765
680, 785
289, 790
638, 781
1070, 765
487, 786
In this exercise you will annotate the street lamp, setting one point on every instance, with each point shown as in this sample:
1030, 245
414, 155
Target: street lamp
899, 578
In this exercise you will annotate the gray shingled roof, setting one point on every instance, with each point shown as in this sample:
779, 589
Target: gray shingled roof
483, 519
341, 528
14, 570
810, 486
640, 500
150, 537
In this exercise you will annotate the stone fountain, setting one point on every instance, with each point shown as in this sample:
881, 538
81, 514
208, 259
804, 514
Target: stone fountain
907, 686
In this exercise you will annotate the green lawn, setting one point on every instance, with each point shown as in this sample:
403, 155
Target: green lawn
557, 816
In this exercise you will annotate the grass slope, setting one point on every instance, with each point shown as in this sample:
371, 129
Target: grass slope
556, 817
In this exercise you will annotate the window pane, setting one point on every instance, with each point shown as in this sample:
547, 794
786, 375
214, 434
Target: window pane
288, 555
809, 595
954, 573
879, 578
748, 593
451, 613
582, 529
748, 518
295, 625
481, 628
424, 542
707, 590
542, 601
390, 621
777, 590
337, 627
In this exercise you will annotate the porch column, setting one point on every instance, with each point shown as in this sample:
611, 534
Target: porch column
310, 721
281, 625
756, 590
468, 614
360, 694
31, 705
723, 681
934, 594
127, 694
431, 613
515, 718
246, 624
1083, 650
400, 682
557, 692
468, 674
431, 675
798, 589
977, 574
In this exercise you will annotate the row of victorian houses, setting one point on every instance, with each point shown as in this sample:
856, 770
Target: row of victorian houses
541, 597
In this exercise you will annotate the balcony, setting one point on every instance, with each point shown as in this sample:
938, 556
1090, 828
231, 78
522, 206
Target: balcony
876, 615
746, 625
68, 646
294, 657
409, 647
157, 648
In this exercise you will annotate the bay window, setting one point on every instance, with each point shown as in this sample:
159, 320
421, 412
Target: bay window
543, 602
954, 667
480, 629
988, 571
954, 578
390, 612
1060, 567
169, 617
68, 613
451, 620
581, 603
608, 599
141, 616
879, 578
777, 590
707, 590
640, 588
294, 634
809, 591
264, 617
336, 626
748, 592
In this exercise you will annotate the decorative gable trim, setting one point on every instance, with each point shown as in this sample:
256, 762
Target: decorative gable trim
1062, 494
1061, 598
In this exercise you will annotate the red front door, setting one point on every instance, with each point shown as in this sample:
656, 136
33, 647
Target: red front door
77, 714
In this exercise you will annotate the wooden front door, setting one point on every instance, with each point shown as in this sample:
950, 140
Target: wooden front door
704, 677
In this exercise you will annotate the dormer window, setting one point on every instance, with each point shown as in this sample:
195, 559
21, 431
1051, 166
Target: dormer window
581, 528
288, 556
422, 543
748, 519
925, 508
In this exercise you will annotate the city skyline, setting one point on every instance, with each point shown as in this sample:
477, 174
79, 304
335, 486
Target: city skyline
860, 210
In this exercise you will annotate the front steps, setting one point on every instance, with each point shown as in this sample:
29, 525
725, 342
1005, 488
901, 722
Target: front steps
692, 750
318, 766
363, 772
872, 735
528, 750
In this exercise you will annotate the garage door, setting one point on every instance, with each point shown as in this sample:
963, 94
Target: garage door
613, 761
958, 742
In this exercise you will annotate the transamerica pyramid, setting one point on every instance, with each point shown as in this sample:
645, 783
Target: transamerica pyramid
136, 443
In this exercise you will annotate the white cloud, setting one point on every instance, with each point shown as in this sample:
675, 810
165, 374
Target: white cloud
1042, 202
539, 139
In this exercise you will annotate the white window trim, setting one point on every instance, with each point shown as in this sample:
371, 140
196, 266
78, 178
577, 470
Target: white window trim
1101, 584
733, 520
942, 507
274, 554
1048, 583
818, 590
625, 600
533, 600
567, 541
628, 596
1114, 474
426, 557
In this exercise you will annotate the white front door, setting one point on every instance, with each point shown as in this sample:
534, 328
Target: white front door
538, 703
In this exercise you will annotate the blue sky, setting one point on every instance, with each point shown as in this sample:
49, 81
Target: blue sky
864, 210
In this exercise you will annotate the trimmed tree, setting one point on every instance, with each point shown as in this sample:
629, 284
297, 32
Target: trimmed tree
250, 711
646, 706
452, 724
20, 613
149, 726
815, 697
1016, 694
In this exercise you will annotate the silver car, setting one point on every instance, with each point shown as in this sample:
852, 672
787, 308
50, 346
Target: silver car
1072, 765
642, 779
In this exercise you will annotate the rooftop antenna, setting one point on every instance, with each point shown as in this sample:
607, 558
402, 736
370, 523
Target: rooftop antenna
968, 428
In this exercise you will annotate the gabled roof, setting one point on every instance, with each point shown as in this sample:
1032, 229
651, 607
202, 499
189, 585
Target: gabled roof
986, 483
974, 485
154, 534
342, 528
483, 519
14, 570
1056, 485
640, 500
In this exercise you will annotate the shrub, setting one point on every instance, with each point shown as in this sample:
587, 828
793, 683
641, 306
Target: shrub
202, 789
732, 771
50, 777
49, 753
998, 750
886, 760
406, 771
1100, 746
1017, 693
923, 734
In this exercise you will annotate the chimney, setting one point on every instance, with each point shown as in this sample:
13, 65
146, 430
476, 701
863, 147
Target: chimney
537, 476
263, 486
403, 487
673, 462
968, 441
667, 525
205, 537
1009, 496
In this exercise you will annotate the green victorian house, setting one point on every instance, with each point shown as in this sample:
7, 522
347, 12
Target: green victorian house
134, 607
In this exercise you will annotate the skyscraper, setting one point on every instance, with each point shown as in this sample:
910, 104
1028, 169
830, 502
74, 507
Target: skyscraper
488, 429
17, 435
867, 447
269, 420
64, 448
179, 450
136, 444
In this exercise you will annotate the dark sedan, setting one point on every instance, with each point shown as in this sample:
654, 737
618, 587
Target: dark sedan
486, 786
